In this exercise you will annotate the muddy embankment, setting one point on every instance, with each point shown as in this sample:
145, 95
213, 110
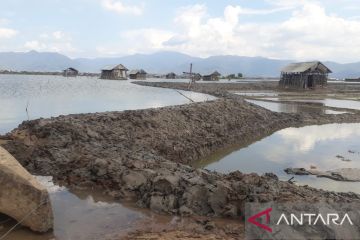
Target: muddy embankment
142, 155
216, 89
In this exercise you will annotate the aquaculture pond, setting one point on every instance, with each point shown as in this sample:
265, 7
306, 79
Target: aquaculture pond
295, 107
85, 215
323, 147
24, 97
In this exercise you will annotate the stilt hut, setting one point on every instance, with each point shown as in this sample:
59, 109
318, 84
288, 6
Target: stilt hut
139, 74
115, 72
197, 77
170, 75
212, 77
70, 72
304, 75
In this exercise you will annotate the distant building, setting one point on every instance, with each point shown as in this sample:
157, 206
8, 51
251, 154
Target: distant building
197, 76
137, 74
70, 72
304, 75
170, 75
115, 72
215, 76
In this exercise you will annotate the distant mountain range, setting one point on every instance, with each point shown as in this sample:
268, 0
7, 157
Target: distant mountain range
163, 62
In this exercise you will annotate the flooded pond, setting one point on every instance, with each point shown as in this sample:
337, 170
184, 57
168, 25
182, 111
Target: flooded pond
256, 94
29, 97
278, 104
294, 107
83, 215
325, 147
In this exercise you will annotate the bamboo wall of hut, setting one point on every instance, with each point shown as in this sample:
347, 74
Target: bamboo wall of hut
307, 75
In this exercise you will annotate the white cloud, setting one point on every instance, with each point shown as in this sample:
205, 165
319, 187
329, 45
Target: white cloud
57, 41
59, 35
4, 21
120, 8
7, 33
301, 142
138, 41
308, 32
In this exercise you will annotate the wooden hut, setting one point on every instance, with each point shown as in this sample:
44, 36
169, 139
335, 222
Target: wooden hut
70, 72
137, 74
170, 75
212, 77
304, 75
117, 72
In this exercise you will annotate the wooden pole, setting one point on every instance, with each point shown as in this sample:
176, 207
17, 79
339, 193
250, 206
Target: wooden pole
191, 76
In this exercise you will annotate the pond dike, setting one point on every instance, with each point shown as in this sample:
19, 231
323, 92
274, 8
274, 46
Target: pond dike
143, 155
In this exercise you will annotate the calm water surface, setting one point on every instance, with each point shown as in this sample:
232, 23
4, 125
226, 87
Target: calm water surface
84, 215
318, 108
304, 147
30, 97
278, 106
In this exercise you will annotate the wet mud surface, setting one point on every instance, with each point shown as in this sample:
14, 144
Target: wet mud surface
143, 155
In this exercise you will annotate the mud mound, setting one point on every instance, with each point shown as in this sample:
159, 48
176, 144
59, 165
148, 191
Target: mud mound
141, 155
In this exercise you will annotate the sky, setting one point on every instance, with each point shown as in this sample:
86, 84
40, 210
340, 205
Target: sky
280, 29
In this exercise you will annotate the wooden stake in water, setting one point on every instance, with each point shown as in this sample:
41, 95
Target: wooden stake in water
192, 79
27, 110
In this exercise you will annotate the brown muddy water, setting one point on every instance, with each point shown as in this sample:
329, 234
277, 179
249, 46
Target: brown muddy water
85, 214
324, 147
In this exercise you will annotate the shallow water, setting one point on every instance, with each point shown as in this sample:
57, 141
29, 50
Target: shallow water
296, 107
317, 146
25, 97
84, 215
318, 108
327, 102
256, 94
336, 103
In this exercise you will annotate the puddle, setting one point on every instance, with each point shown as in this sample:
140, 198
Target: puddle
82, 215
256, 94
290, 107
327, 102
29, 97
286, 107
336, 103
306, 147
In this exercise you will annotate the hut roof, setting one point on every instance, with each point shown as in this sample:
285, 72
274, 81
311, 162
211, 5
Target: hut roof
305, 66
216, 73
138, 71
71, 69
115, 67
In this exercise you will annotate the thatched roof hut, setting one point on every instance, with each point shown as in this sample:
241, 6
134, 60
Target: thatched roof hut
170, 75
70, 72
212, 77
304, 75
138, 74
114, 72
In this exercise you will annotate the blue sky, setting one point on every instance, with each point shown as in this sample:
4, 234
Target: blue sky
284, 29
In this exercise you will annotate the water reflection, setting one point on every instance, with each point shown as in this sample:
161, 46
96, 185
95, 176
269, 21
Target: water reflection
306, 147
327, 102
84, 215
256, 94
292, 107
48, 96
